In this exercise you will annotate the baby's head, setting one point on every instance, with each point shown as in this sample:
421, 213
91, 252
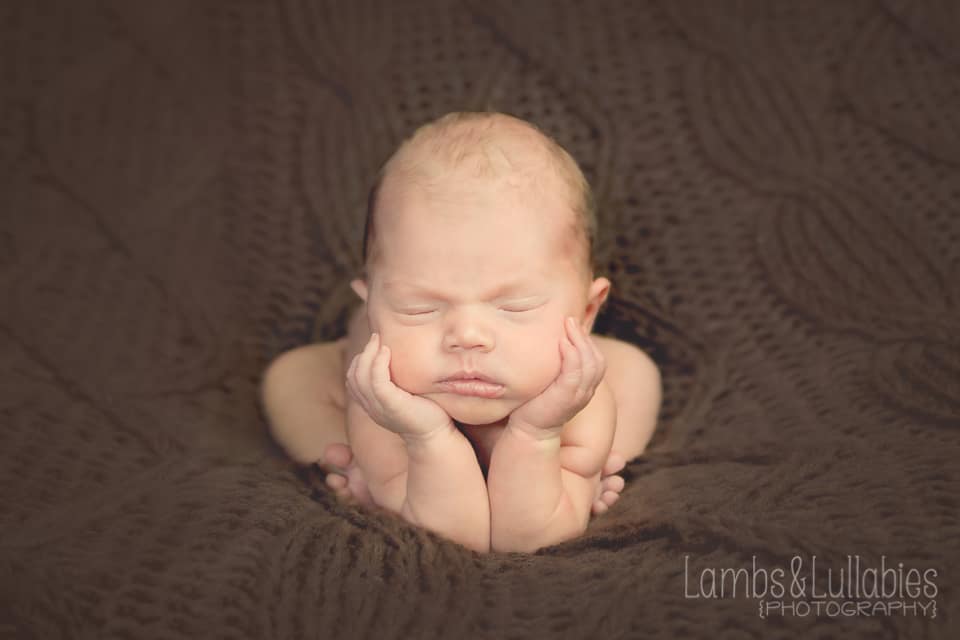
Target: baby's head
477, 150
478, 243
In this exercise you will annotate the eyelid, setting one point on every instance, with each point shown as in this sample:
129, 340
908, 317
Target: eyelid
527, 305
524, 304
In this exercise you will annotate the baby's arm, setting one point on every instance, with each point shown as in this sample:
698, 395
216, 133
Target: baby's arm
541, 489
445, 489
434, 482
439, 485
545, 467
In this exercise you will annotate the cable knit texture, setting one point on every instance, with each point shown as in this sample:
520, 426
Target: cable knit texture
183, 189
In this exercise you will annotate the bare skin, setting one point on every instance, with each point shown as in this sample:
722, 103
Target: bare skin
635, 423
311, 379
477, 402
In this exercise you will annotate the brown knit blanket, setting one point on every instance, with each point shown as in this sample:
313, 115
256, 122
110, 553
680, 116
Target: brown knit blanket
181, 200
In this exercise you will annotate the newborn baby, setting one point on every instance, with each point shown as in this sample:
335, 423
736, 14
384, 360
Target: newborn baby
469, 395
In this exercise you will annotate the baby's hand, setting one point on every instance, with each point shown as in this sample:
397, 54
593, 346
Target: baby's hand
368, 380
582, 369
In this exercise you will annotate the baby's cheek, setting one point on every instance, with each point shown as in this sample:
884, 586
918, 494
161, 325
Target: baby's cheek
406, 367
537, 361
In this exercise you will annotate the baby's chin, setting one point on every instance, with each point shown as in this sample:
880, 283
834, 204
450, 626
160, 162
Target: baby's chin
471, 410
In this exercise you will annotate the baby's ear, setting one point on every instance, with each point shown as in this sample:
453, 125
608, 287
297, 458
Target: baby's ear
599, 290
360, 288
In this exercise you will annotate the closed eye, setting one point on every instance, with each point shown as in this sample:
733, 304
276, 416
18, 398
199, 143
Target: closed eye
521, 308
418, 312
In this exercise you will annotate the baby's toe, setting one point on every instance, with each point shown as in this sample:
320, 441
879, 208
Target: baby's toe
341, 487
613, 483
336, 481
615, 462
338, 455
609, 497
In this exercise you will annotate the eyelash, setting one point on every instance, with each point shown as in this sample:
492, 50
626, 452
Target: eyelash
429, 311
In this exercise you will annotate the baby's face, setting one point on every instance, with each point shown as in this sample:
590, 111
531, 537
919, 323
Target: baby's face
474, 279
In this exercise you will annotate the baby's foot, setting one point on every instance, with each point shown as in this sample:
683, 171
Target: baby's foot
608, 491
344, 475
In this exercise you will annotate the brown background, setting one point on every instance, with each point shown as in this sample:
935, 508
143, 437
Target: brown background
182, 194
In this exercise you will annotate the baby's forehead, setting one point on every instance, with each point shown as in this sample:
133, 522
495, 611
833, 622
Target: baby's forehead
511, 239
516, 173
411, 206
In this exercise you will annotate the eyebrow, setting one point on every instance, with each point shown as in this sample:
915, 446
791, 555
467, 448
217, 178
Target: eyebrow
508, 287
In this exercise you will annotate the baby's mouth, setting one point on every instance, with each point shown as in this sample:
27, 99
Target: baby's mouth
465, 374
479, 387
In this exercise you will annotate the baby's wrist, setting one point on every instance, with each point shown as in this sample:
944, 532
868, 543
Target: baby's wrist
533, 433
422, 438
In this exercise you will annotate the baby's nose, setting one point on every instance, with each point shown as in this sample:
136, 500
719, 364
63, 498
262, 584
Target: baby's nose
467, 333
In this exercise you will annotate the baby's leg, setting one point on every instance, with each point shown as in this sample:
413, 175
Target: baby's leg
610, 485
316, 421
637, 389
305, 400
635, 381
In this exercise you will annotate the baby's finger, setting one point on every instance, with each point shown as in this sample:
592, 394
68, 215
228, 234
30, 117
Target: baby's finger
353, 381
570, 370
380, 382
364, 363
351, 376
357, 389
599, 362
598, 354
351, 370
587, 361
